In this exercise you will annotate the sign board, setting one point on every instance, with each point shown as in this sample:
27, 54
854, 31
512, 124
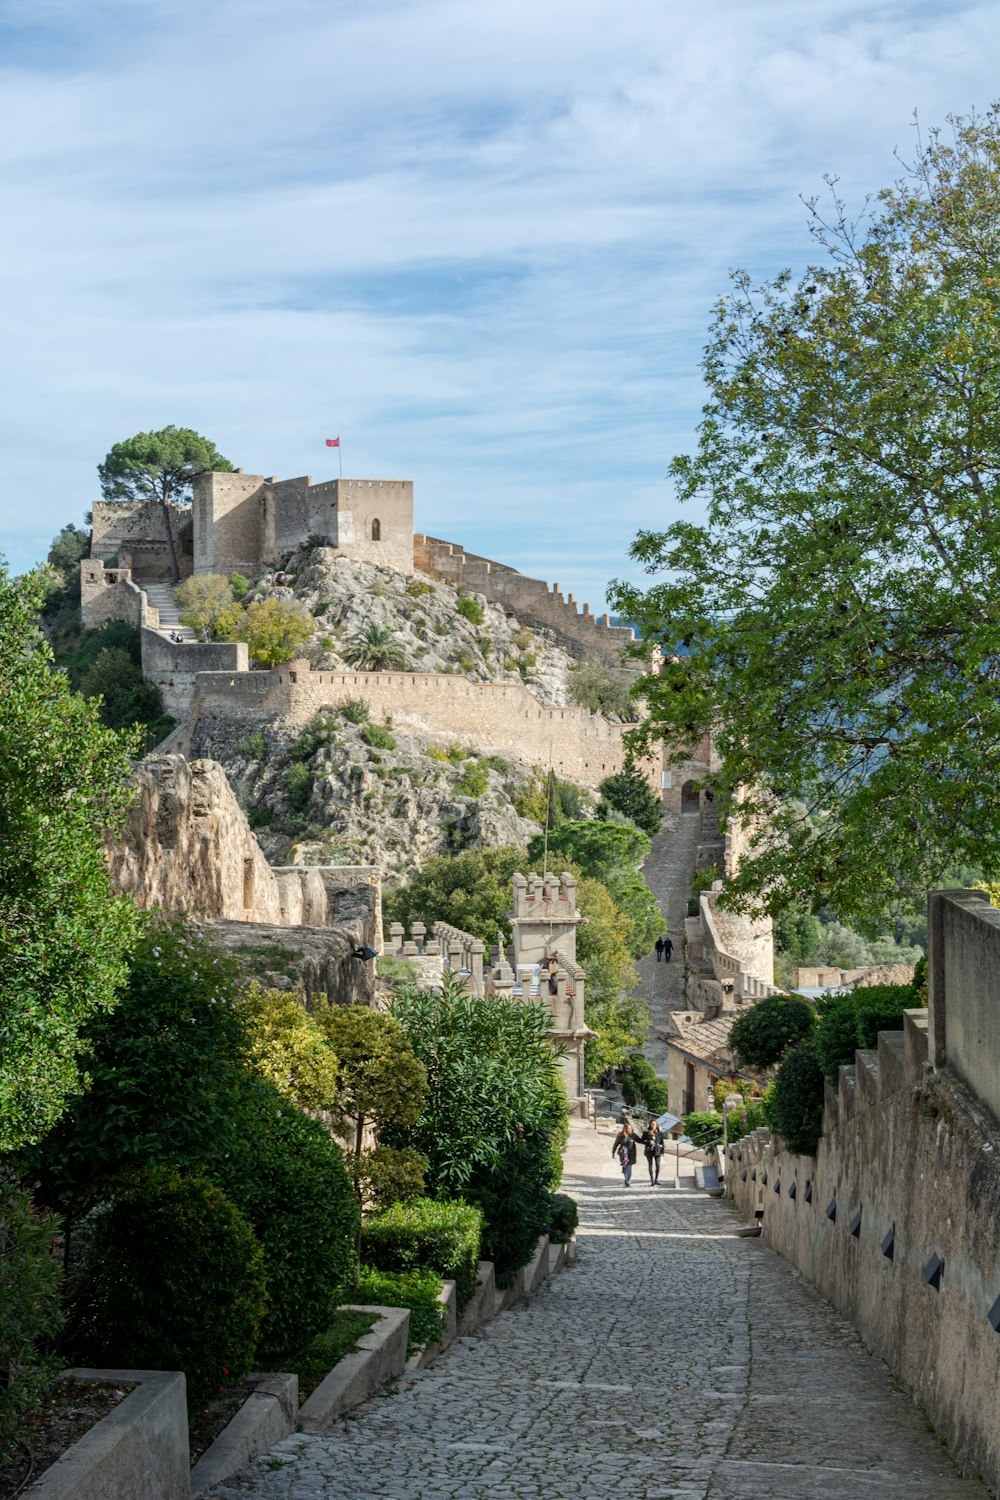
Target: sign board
667, 1122
666, 781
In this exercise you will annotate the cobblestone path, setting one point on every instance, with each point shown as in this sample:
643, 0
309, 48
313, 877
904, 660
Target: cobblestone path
675, 1361
668, 871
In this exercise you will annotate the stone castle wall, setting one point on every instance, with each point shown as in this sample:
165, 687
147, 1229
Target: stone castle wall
531, 599
174, 667
894, 1219
135, 533
110, 594
493, 718
243, 521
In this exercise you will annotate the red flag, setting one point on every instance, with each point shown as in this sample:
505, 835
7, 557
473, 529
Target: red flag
333, 442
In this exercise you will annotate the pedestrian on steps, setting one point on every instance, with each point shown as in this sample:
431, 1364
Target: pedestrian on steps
652, 1139
659, 949
668, 948
625, 1150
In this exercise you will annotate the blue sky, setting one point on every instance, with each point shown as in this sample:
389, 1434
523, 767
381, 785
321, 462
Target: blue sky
481, 242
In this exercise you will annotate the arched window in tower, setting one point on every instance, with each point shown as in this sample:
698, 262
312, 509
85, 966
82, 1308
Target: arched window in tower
376, 531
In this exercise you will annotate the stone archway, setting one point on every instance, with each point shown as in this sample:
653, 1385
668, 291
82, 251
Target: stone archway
690, 797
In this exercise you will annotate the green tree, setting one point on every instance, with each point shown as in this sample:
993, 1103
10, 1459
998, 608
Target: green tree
629, 793
69, 547
163, 1070
833, 621
202, 597
274, 629
64, 935
125, 697
795, 1104
380, 1084
761, 1035
160, 466
375, 649
495, 1112
30, 1314
609, 852
470, 890
592, 686
289, 1048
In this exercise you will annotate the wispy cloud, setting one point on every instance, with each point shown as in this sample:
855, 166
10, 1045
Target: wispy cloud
479, 242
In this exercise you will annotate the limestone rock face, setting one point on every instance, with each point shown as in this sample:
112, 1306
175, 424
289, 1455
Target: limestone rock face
187, 846
341, 792
426, 622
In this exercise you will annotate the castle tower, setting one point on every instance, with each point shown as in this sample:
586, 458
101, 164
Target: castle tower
543, 930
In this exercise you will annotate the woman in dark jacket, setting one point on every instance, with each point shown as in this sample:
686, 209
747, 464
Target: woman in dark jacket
624, 1149
652, 1139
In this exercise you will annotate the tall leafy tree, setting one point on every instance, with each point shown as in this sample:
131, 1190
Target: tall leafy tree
160, 466
64, 935
834, 620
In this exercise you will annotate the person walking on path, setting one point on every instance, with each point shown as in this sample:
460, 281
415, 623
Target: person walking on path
668, 948
652, 1139
658, 945
625, 1150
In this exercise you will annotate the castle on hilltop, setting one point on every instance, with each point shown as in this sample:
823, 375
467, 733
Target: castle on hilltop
244, 523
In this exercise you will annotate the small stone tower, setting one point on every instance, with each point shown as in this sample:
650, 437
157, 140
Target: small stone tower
543, 929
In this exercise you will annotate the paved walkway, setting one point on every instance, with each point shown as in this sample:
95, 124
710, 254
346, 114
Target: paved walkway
668, 871
675, 1361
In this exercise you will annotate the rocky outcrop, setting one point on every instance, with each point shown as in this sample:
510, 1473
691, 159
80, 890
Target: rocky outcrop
342, 792
187, 846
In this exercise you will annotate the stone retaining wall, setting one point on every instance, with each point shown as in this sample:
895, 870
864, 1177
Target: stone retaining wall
494, 718
894, 1221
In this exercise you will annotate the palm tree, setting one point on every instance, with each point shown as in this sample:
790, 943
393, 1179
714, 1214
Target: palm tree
374, 649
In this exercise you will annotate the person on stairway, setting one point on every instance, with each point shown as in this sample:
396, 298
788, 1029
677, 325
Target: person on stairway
625, 1150
652, 1140
668, 948
658, 945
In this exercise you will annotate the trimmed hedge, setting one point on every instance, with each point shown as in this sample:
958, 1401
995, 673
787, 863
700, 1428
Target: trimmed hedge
852, 1021
427, 1235
565, 1216
417, 1290
288, 1177
175, 1281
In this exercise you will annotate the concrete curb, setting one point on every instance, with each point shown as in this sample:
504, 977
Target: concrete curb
139, 1451
266, 1416
448, 1297
379, 1357
481, 1299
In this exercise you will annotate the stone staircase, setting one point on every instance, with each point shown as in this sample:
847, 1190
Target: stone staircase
161, 597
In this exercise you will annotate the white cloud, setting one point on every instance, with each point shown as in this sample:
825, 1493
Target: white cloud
480, 242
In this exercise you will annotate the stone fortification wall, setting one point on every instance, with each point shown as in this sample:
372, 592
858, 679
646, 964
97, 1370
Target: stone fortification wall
110, 594
963, 962
242, 521
894, 1219
174, 666
530, 599
319, 962
134, 531
497, 718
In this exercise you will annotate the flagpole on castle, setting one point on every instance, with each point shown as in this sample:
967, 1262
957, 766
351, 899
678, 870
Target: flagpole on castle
335, 443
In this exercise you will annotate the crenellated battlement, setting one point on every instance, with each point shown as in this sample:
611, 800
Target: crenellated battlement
532, 600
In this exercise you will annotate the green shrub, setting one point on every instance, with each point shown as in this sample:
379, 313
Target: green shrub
288, 1177
563, 1219
175, 1281
796, 1105
354, 710
240, 585
29, 1310
391, 1174
630, 793
253, 747
473, 781
378, 737
427, 1235
416, 586
852, 1021
417, 1290
472, 610
761, 1035
704, 1127
298, 785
